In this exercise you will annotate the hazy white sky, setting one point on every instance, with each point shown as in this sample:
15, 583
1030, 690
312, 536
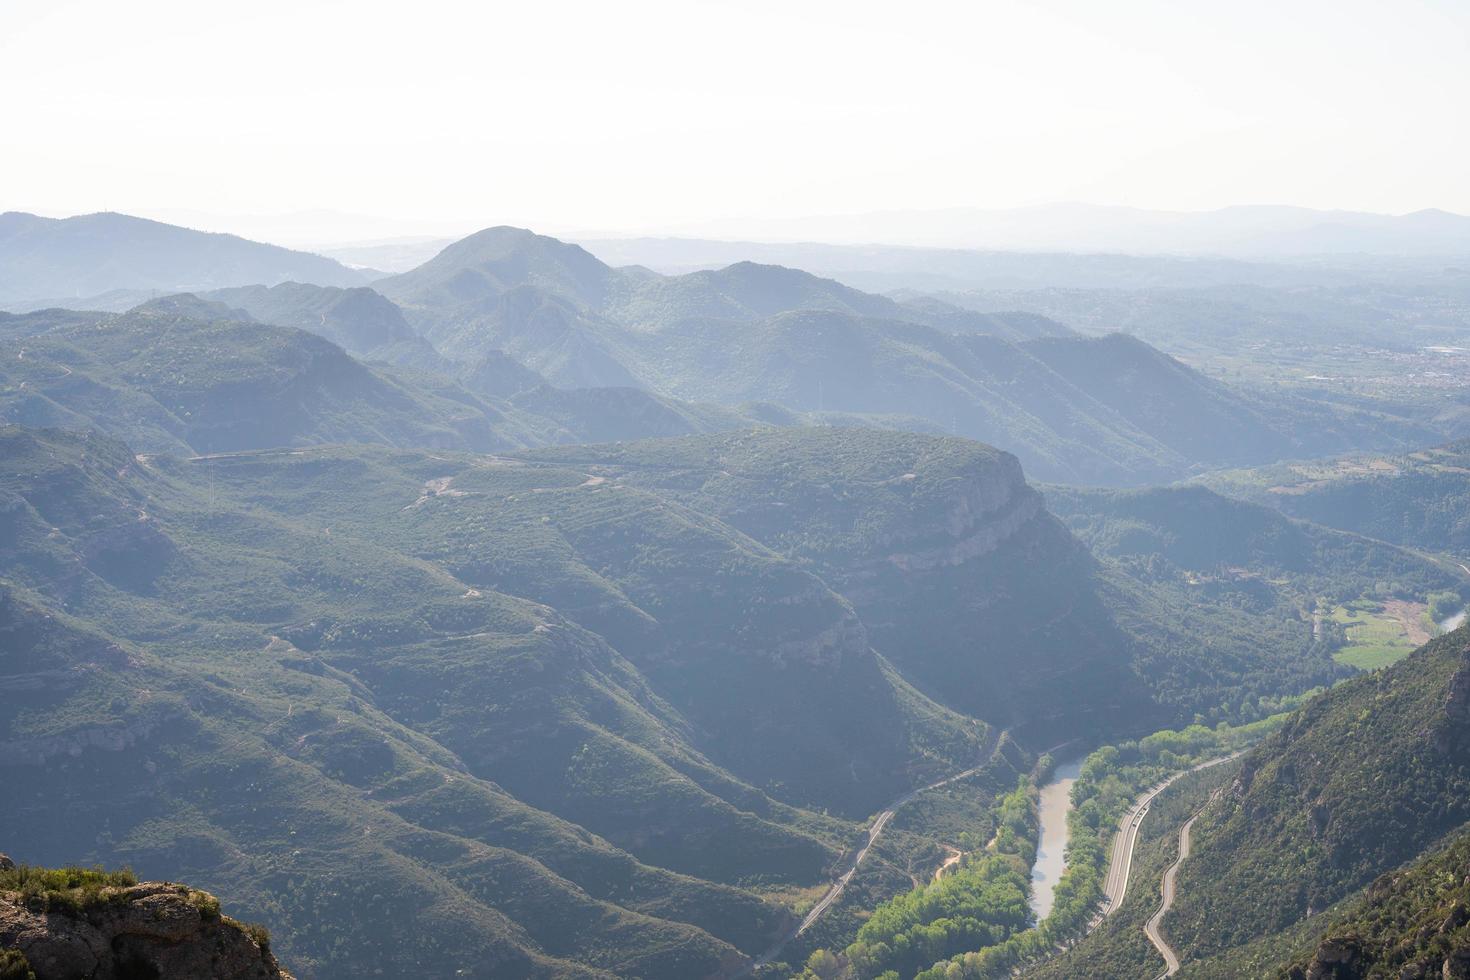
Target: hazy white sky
643, 114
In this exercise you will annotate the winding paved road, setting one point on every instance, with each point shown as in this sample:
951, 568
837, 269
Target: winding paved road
1119, 865
1126, 840
1151, 927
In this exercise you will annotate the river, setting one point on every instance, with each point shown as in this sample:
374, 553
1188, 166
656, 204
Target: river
1056, 803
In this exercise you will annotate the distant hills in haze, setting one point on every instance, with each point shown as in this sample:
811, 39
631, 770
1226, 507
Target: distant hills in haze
1101, 409
58, 261
1250, 231
1074, 246
505, 310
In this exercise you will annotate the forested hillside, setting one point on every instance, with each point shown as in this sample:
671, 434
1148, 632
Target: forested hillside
618, 685
1410, 924
1237, 605
181, 374
1420, 499
573, 491
1364, 778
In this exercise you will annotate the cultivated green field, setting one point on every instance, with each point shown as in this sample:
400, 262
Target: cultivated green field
1375, 638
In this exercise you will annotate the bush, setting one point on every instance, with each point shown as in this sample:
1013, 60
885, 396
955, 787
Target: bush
259, 933
70, 891
15, 966
207, 905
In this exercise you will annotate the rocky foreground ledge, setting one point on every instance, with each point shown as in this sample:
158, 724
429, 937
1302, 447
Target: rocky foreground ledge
74, 923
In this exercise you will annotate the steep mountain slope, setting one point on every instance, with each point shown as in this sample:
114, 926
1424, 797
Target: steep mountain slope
1412, 924
763, 638
579, 712
72, 258
1159, 395
979, 386
275, 781
304, 679
357, 319
1198, 529
495, 261
747, 291
1365, 777
968, 585
1013, 326
324, 766
170, 382
862, 507
183, 374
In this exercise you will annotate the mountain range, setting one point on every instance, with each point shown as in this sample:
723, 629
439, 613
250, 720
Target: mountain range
520, 615
1252, 231
440, 711
1104, 410
79, 260
1108, 409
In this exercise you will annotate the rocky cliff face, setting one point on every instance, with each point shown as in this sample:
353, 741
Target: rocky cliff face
957, 572
116, 932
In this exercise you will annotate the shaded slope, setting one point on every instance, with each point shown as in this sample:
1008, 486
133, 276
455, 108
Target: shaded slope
967, 585
1419, 499
1227, 596
167, 381
254, 760
1365, 777
335, 691
1412, 923
357, 319
761, 656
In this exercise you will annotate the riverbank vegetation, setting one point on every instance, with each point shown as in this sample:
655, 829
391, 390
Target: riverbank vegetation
986, 902
1117, 947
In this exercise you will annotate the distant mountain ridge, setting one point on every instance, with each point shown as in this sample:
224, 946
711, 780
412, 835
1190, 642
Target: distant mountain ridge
1111, 410
62, 260
190, 375
1105, 410
1246, 231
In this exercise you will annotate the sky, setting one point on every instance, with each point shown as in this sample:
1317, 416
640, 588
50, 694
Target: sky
345, 121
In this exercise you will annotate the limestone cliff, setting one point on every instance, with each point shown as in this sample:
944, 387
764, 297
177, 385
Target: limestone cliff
75, 923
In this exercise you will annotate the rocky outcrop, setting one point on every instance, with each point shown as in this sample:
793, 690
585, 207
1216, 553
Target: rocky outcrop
38, 751
152, 929
1340, 958
975, 533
